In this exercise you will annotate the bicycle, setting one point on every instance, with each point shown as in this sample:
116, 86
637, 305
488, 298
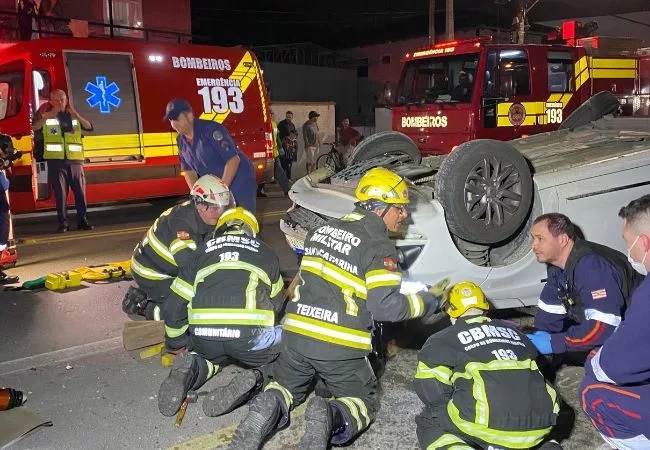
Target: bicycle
333, 159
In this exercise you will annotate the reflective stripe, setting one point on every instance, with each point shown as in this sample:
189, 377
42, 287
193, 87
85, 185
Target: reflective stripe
179, 244
553, 394
158, 247
333, 274
327, 332
448, 439
354, 411
54, 147
251, 291
352, 217
440, 373
156, 313
183, 289
286, 394
609, 319
511, 439
551, 309
175, 332
473, 372
230, 316
232, 265
382, 278
75, 148
416, 304
351, 307
598, 370
51, 122
146, 272
75, 122
277, 287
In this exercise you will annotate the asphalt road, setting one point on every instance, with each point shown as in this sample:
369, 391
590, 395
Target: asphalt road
63, 349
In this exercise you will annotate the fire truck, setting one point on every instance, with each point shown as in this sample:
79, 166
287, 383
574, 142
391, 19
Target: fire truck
123, 87
457, 91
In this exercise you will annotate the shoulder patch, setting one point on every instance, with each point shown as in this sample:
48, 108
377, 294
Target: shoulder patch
217, 135
183, 235
390, 264
598, 294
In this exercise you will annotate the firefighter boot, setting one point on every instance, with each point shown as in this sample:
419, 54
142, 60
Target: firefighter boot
135, 301
188, 373
241, 388
319, 424
263, 415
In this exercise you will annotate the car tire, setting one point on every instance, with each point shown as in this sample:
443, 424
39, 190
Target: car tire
597, 106
382, 143
486, 189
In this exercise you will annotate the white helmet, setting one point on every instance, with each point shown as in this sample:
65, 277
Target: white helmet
210, 190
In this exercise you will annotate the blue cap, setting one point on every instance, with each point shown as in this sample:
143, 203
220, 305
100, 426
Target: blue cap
175, 107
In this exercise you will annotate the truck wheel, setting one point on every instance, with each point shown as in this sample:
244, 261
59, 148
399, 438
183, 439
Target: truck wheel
486, 189
597, 106
382, 143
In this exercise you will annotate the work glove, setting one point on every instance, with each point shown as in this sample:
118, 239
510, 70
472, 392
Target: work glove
542, 341
440, 288
433, 308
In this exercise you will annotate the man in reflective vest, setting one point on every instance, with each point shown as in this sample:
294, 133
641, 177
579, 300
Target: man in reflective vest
169, 244
59, 128
222, 306
348, 276
480, 383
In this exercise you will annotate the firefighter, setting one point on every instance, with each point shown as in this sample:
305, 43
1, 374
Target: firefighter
615, 391
479, 382
170, 243
348, 277
586, 290
7, 157
222, 305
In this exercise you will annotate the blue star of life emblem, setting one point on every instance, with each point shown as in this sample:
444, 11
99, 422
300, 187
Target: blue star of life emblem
102, 95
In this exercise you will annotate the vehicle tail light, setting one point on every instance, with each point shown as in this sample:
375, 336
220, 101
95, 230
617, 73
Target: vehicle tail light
268, 138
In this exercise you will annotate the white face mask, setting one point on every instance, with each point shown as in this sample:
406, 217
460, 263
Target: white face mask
638, 266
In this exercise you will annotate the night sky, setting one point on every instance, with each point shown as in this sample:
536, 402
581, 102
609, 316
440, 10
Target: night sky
337, 24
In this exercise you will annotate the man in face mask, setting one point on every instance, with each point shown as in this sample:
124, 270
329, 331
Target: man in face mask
615, 391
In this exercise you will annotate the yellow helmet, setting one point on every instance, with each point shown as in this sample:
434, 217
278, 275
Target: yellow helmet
383, 185
239, 217
464, 296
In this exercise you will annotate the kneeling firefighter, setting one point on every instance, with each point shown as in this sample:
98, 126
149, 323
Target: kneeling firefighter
170, 243
480, 383
222, 306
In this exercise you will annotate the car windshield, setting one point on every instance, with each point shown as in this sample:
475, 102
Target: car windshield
443, 79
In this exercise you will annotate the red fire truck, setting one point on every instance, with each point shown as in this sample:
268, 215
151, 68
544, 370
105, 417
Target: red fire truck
456, 91
122, 87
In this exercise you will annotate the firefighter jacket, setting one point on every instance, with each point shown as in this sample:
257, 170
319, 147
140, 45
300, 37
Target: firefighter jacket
231, 289
484, 374
169, 243
582, 304
59, 144
348, 277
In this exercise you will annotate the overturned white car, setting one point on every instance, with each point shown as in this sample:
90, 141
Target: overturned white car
472, 210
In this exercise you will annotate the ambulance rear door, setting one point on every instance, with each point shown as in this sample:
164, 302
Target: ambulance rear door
103, 88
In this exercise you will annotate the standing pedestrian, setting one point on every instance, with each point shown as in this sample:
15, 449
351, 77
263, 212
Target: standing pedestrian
290, 147
58, 129
348, 139
205, 147
286, 125
7, 156
311, 137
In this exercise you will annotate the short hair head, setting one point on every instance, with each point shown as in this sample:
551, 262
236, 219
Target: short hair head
558, 224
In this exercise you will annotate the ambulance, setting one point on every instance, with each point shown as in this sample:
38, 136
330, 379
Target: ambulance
123, 87
453, 92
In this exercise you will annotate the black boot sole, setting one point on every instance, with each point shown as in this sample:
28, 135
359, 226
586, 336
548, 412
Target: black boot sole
226, 398
318, 425
175, 387
252, 431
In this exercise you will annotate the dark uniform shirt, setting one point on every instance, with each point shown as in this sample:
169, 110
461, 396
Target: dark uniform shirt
211, 148
582, 313
484, 373
169, 242
230, 290
349, 276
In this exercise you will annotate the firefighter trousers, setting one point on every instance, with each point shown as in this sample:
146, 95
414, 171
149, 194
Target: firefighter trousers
352, 383
242, 351
435, 430
156, 290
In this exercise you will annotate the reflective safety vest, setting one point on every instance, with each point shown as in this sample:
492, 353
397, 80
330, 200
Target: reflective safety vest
60, 145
